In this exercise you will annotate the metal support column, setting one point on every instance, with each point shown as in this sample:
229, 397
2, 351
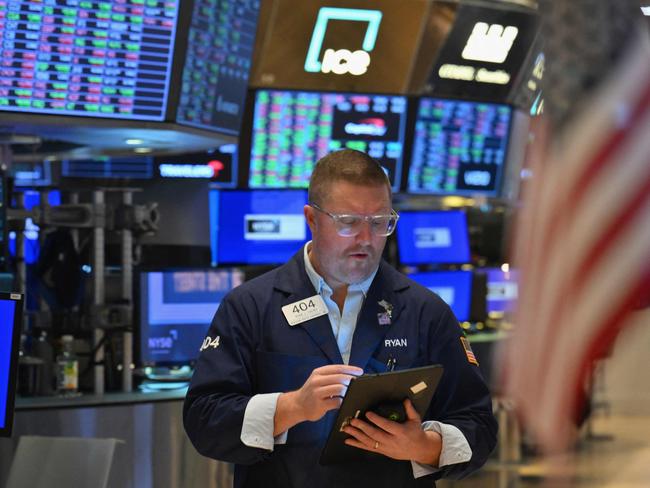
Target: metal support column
98, 285
21, 266
127, 295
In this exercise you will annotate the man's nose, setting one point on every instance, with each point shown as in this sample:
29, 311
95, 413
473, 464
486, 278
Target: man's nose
365, 233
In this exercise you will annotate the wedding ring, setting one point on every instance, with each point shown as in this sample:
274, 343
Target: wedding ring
376, 444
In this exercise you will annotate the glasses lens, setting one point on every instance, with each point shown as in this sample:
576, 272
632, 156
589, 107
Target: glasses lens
348, 225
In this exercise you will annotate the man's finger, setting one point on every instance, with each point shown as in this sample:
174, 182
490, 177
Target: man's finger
339, 369
411, 413
383, 423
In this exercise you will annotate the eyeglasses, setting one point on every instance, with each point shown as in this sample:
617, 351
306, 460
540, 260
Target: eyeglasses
349, 225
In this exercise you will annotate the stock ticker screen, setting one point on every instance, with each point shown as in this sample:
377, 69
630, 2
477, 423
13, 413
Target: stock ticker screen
217, 63
292, 130
459, 147
91, 58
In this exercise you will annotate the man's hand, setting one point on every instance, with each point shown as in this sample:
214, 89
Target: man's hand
405, 441
323, 391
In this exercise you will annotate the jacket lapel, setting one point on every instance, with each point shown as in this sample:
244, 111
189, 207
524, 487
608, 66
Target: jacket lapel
293, 280
369, 332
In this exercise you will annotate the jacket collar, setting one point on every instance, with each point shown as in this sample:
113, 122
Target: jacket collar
384, 291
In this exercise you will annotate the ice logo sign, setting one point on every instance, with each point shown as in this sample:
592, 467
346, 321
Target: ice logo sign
489, 43
342, 61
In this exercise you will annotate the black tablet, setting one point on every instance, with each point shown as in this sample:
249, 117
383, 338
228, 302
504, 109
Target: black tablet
371, 392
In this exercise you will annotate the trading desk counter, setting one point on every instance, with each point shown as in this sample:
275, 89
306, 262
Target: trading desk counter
154, 452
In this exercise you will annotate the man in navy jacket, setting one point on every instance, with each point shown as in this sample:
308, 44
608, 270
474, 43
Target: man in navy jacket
282, 349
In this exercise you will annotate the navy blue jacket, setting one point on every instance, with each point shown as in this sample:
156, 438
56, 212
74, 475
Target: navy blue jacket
258, 352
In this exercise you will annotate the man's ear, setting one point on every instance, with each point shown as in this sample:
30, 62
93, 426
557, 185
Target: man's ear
310, 217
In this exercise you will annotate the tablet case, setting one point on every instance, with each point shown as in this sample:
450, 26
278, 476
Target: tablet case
369, 391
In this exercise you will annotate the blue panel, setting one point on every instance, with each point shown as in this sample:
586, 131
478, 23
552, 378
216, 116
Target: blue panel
259, 226
454, 287
433, 237
7, 315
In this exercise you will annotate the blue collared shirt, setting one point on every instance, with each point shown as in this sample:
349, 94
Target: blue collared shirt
343, 323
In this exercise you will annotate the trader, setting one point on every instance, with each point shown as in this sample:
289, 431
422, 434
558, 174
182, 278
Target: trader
271, 375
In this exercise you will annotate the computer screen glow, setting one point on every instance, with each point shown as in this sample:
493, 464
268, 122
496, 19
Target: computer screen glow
292, 130
459, 147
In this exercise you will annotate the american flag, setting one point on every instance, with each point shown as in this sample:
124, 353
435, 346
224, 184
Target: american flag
583, 246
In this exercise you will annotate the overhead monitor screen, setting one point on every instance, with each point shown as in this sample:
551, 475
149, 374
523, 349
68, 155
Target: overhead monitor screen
10, 325
433, 237
219, 167
176, 309
454, 287
292, 130
109, 168
502, 290
217, 64
257, 226
97, 59
459, 147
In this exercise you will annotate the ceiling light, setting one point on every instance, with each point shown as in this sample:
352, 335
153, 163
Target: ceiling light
134, 142
142, 150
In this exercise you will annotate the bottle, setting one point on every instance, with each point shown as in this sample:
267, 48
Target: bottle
67, 366
43, 350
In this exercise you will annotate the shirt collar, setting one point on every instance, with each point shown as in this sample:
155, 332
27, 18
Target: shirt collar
320, 284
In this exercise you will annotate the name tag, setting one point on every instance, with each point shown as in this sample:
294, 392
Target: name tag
304, 310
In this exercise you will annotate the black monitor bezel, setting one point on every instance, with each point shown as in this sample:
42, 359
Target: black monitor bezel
13, 360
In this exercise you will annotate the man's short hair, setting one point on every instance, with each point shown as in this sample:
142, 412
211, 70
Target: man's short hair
347, 165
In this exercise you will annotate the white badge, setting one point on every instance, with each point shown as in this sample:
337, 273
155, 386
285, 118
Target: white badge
304, 310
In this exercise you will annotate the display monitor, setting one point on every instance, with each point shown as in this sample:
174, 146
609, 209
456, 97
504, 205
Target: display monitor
219, 166
433, 237
292, 130
459, 147
454, 287
176, 308
257, 226
502, 290
105, 167
11, 313
32, 174
96, 59
217, 64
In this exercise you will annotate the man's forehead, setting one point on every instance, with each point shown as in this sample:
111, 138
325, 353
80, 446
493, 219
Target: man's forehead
350, 196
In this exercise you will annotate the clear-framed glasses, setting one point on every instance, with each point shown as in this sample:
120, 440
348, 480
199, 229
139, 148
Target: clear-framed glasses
349, 225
